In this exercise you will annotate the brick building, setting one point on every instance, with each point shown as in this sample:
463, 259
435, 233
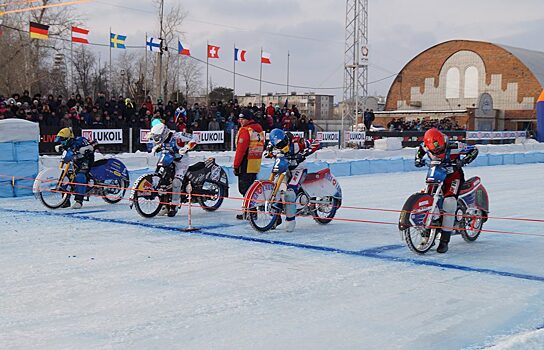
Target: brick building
489, 86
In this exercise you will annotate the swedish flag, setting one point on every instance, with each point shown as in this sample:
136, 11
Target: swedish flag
117, 41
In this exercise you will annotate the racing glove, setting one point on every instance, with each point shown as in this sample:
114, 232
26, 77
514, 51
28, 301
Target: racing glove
156, 149
58, 148
419, 163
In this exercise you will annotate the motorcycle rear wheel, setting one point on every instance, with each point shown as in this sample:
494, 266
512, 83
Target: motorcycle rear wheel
323, 213
214, 195
472, 225
115, 191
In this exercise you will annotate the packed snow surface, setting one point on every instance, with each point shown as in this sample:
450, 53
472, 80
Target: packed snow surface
103, 277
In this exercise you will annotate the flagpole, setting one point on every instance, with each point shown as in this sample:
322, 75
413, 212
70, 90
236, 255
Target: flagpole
234, 75
72, 63
177, 77
145, 69
261, 78
110, 75
288, 56
207, 71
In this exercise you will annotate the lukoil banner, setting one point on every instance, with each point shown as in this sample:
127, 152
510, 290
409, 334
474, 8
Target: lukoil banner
209, 137
328, 137
355, 136
144, 135
103, 136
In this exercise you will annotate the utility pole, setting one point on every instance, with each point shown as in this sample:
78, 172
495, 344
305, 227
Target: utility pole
161, 14
355, 60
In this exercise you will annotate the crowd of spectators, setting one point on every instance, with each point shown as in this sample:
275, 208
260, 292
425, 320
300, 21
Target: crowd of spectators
400, 124
122, 112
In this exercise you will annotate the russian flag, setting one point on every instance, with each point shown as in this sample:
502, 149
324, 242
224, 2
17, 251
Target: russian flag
265, 57
183, 50
239, 55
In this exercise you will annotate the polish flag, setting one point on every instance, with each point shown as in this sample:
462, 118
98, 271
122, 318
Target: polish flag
79, 35
213, 51
265, 57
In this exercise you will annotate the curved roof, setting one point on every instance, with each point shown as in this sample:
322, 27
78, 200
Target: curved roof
534, 60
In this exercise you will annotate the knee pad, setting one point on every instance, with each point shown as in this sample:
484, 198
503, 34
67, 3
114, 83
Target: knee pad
176, 189
450, 207
290, 206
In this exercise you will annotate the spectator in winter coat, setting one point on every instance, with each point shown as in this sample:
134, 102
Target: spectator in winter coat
66, 122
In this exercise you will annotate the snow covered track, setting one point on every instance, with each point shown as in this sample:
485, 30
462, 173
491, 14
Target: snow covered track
375, 252
103, 277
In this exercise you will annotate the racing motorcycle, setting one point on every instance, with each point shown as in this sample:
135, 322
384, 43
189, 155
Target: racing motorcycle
319, 196
421, 216
209, 186
108, 178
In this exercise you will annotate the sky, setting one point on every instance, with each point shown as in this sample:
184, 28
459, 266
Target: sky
313, 32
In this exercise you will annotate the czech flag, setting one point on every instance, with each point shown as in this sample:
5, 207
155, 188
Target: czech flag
265, 57
239, 55
39, 31
183, 49
79, 35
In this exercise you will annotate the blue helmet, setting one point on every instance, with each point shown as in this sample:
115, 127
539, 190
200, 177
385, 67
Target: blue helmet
278, 138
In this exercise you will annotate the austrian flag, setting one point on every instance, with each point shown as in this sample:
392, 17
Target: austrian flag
79, 35
213, 51
265, 58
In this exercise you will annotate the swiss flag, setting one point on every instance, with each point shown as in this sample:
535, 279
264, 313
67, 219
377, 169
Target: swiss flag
213, 51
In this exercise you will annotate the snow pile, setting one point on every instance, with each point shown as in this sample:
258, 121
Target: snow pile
532, 340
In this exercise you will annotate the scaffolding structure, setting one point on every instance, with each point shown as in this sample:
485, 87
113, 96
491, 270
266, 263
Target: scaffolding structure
355, 61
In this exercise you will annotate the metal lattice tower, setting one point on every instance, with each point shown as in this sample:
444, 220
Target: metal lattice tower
355, 60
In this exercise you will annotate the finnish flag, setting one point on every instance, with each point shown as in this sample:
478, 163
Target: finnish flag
154, 44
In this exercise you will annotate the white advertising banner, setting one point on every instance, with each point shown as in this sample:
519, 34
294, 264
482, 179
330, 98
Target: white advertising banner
209, 137
103, 136
144, 135
495, 135
355, 136
328, 136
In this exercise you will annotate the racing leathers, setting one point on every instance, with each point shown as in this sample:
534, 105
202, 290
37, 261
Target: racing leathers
456, 155
295, 152
83, 161
179, 143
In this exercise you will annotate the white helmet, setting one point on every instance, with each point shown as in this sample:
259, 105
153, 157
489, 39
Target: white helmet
159, 133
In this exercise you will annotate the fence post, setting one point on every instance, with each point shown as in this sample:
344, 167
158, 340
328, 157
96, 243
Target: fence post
190, 227
339, 139
130, 140
232, 139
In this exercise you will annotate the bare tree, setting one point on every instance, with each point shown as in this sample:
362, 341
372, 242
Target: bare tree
191, 75
84, 63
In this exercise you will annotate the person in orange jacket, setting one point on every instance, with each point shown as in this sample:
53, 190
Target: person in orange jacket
249, 151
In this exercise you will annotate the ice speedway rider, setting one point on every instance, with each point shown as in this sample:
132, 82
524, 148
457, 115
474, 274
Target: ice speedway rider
442, 151
83, 161
295, 149
179, 143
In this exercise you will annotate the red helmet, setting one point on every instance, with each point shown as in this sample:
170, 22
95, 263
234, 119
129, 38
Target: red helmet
435, 141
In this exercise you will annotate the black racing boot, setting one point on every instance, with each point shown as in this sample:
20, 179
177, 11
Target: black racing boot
444, 240
172, 211
67, 204
240, 216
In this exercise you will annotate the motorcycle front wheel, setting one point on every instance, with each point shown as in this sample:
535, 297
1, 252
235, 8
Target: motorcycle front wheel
419, 239
264, 214
146, 200
55, 194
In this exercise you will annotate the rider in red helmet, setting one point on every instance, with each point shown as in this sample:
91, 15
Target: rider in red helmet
441, 150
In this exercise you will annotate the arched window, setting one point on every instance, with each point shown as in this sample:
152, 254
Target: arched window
471, 82
453, 83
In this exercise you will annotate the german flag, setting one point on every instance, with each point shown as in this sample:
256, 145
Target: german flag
39, 31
